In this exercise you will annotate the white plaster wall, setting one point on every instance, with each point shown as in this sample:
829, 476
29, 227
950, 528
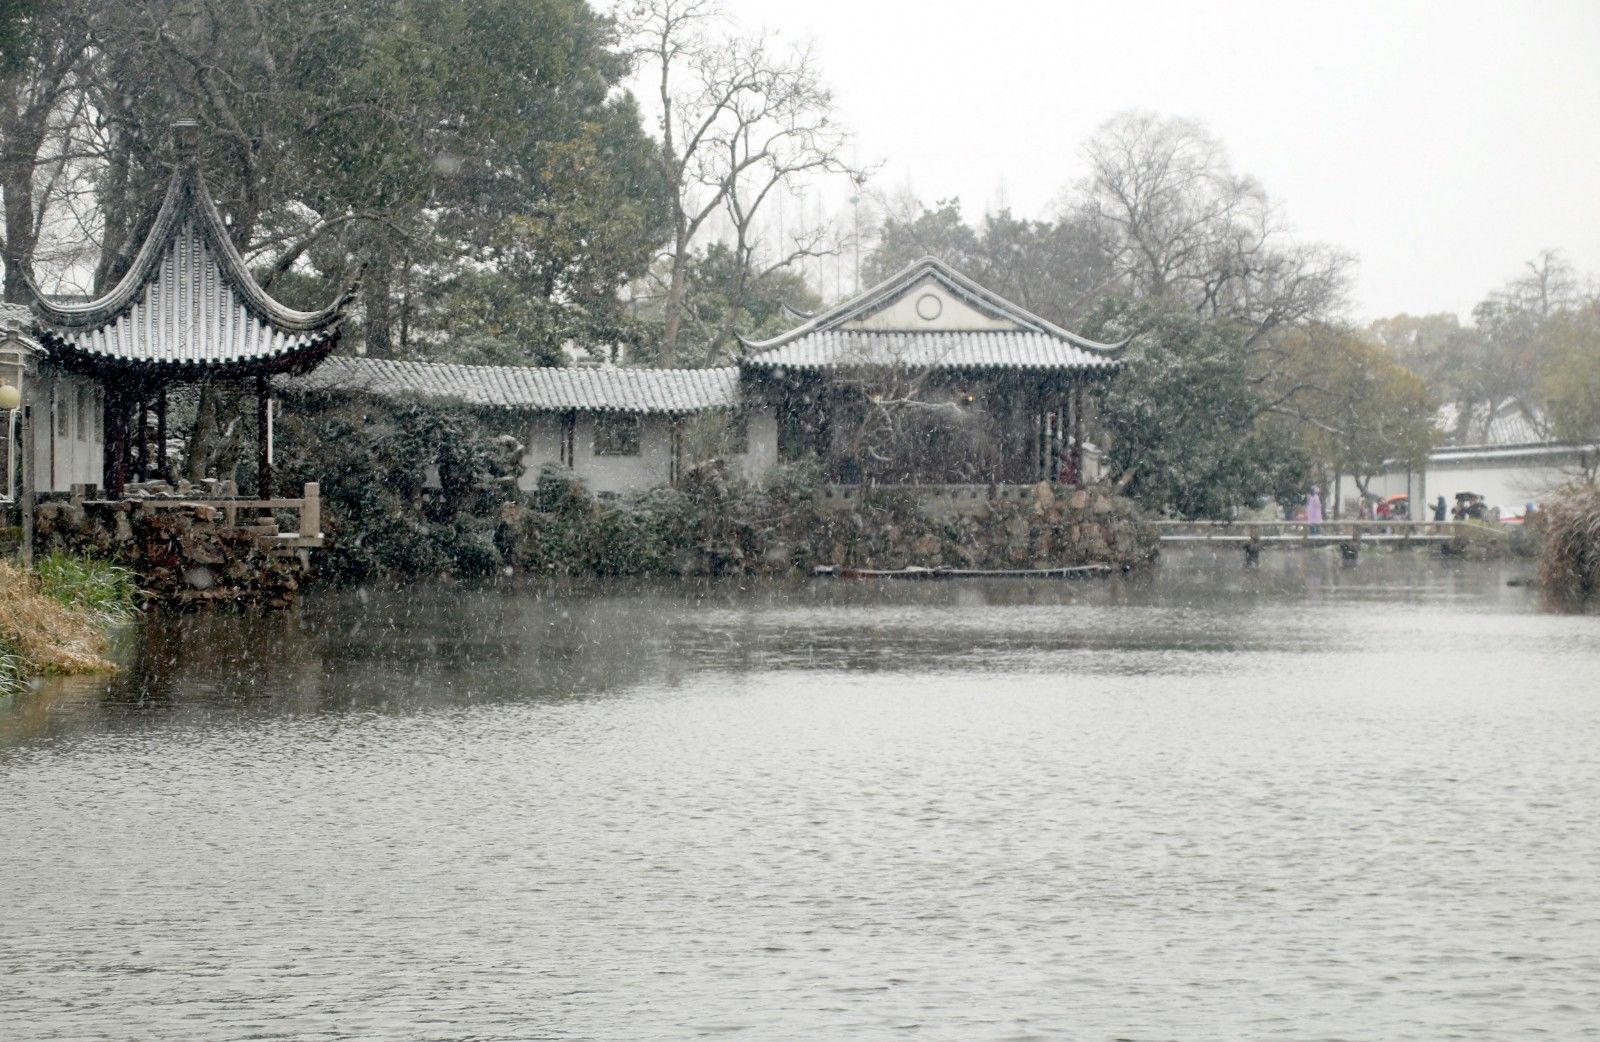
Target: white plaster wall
542, 447
761, 454
952, 314
651, 468
69, 432
1508, 484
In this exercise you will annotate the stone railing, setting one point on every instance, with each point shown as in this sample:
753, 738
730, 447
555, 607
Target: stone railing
934, 500
232, 510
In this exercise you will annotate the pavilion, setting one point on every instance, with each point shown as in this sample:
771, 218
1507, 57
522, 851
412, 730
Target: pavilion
187, 311
929, 378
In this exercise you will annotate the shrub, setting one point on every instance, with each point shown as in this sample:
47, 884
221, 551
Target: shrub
375, 457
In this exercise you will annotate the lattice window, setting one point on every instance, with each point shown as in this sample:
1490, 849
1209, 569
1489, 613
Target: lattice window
616, 434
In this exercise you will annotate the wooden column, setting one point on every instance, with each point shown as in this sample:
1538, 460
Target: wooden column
161, 434
116, 450
675, 448
1042, 437
139, 443
263, 456
1077, 435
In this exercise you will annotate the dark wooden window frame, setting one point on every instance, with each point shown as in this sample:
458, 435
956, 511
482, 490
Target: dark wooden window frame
618, 434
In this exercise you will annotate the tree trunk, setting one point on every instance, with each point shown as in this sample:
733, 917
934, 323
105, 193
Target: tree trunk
730, 315
121, 206
198, 449
676, 290
16, 181
380, 319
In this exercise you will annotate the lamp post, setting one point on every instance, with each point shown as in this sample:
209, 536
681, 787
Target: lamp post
18, 352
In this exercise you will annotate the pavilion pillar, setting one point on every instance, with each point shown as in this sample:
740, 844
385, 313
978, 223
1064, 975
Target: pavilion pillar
1043, 435
116, 444
1055, 436
161, 434
139, 444
1077, 435
1036, 421
263, 441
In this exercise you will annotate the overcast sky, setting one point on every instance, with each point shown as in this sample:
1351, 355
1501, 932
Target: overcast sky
1443, 143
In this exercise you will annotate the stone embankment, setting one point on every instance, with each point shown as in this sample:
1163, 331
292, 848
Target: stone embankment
1049, 528
710, 526
183, 558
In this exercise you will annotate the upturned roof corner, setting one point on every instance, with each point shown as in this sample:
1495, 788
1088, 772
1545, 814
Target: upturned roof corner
188, 298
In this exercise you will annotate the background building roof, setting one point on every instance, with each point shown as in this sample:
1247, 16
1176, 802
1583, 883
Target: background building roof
931, 316
1508, 422
951, 349
534, 388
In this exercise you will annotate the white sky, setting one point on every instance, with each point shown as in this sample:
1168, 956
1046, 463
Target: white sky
1443, 143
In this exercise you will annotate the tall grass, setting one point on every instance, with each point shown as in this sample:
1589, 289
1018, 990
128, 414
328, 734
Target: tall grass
1569, 561
63, 631
13, 671
106, 591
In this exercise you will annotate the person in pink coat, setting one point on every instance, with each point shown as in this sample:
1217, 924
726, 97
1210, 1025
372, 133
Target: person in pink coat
1314, 507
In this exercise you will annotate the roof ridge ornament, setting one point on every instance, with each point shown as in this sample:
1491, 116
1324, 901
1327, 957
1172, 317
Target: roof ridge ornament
186, 138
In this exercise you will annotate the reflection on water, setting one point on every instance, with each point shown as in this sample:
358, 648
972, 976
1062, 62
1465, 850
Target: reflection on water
1303, 801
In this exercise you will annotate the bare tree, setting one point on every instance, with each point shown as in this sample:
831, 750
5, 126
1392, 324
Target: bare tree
38, 92
1179, 224
1550, 285
739, 117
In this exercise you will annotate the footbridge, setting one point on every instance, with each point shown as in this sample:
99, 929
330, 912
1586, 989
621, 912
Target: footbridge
1252, 537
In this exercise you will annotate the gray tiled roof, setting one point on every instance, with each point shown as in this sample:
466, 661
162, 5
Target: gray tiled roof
188, 301
998, 349
847, 335
1510, 422
534, 388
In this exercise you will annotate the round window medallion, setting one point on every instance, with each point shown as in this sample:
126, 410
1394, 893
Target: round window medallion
929, 306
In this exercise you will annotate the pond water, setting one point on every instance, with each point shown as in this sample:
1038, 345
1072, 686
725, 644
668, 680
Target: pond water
1304, 802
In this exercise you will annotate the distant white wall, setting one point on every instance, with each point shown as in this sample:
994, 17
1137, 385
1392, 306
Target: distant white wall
1505, 480
545, 445
651, 468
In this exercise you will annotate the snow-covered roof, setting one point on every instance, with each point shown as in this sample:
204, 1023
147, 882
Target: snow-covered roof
931, 316
1508, 422
533, 388
1005, 349
16, 323
188, 302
